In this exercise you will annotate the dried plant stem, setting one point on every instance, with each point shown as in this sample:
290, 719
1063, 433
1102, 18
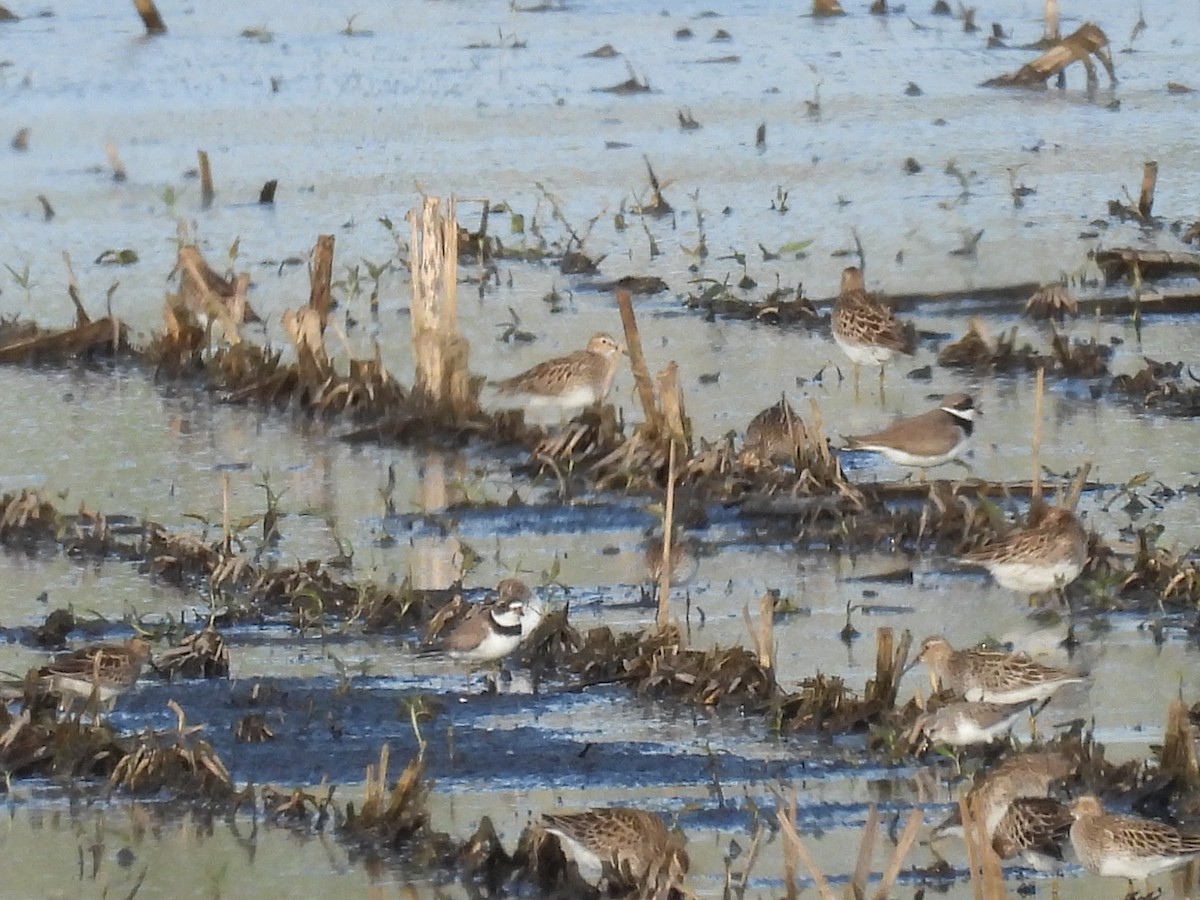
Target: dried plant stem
671, 405
1035, 450
793, 839
81, 316
987, 878
637, 361
443, 378
1051, 32
226, 533
664, 577
890, 661
320, 277
766, 631
866, 850
1179, 746
789, 847
971, 840
206, 182
1078, 483
908, 837
114, 161
1146, 197
150, 18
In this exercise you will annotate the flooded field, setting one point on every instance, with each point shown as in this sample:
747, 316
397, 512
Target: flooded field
878, 148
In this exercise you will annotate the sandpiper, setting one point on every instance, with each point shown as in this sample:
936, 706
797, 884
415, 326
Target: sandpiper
577, 380
776, 433
102, 671
1034, 828
992, 676
489, 631
967, 723
1049, 554
630, 848
864, 327
930, 439
1127, 846
1027, 774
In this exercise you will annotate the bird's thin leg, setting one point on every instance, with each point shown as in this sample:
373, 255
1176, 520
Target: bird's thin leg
882, 397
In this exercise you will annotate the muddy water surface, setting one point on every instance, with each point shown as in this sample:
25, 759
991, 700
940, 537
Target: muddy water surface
438, 96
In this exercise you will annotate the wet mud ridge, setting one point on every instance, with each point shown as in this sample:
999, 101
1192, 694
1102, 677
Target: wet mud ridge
155, 713
121, 714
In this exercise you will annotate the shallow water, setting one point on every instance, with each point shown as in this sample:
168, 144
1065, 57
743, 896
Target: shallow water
356, 126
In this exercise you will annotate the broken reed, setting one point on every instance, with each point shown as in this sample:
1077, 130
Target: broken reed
206, 181
794, 848
443, 378
151, 19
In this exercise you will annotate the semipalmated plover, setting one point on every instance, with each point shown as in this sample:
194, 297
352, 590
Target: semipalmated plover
929, 439
488, 631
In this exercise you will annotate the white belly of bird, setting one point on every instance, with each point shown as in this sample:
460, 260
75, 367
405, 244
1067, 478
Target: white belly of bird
591, 867
865, 354
495, 646
1137, 868
904, 458
1033, 578
1022, 693
966, 732
571, 399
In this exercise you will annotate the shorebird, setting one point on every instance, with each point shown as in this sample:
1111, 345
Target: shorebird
967, 723
930, 439
776, 433
1127, 846
631, 849
865, 328
489, 631
577, 380
1049, 554
100, 671
1034, 828
992, 676
1020, 775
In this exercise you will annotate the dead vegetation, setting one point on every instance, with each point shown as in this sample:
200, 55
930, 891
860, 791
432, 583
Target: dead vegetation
1079, 46
980, 351
1161, 387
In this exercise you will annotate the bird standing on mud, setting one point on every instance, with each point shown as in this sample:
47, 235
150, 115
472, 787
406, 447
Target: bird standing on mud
866, 329
577, 380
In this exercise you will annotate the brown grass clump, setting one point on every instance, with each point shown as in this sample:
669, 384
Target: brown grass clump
26, 518
979, 351
1160, 386
175, 760
202, 654
35, 742
1053, 301
389, 817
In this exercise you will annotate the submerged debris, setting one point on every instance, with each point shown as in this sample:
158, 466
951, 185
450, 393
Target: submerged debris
1068, 359
175, 760
1079, 46
389, 817
1160, 386
1053, 301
